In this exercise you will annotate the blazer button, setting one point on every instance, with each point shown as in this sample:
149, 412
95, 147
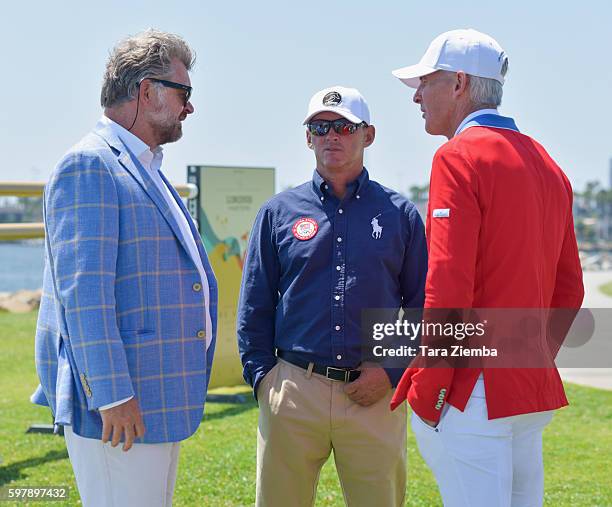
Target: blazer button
197, 287
201, 333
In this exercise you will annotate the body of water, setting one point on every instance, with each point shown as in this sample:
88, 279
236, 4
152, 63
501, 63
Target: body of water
21, 265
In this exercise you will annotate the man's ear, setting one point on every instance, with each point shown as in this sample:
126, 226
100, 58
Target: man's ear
147, 91
462, 81
309, 140
370, 134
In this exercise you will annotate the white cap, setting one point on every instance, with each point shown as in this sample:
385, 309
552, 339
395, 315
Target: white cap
346, 102
472, 52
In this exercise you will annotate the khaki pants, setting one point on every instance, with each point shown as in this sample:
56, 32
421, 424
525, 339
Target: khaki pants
302, 418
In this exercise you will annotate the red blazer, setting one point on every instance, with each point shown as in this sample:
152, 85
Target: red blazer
508, 242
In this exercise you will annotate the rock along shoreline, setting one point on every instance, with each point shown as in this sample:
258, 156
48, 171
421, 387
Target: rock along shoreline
22, 301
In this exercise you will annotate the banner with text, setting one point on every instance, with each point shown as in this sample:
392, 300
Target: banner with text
225, 208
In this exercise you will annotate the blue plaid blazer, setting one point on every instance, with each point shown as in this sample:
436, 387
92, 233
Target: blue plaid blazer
123, 310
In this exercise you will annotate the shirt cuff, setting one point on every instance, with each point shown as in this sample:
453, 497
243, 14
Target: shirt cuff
259, 376
115, 404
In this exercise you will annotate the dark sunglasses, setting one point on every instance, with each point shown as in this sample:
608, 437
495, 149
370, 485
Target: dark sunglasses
340, 126
176, 86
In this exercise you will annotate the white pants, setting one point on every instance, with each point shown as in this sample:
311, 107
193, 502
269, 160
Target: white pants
481, 462
109, 477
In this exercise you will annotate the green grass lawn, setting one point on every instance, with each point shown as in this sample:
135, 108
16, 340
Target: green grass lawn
606, 288
217, 465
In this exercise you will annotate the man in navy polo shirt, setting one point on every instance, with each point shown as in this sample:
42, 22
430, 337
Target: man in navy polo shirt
318, 255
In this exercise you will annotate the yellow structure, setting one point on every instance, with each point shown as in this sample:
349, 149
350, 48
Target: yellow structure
11, 232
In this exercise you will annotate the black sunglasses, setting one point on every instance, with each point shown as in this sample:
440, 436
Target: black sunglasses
172, 84
340, 126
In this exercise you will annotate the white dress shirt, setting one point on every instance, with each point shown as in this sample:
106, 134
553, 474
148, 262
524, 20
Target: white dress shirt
151, 161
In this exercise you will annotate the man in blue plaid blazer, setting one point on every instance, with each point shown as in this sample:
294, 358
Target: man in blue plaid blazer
127, 323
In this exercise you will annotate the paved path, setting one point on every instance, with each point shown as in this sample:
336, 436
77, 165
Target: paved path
593, 298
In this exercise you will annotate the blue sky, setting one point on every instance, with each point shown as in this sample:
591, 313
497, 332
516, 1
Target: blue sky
260, 62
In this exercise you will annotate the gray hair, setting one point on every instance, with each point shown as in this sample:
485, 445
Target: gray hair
487, 92
146, 54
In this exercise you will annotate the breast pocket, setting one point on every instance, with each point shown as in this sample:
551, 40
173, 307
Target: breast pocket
382, 238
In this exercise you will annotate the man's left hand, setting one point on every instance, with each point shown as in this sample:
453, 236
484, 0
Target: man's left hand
371, 386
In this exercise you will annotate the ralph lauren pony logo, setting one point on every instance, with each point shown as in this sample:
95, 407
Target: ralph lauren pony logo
376, 227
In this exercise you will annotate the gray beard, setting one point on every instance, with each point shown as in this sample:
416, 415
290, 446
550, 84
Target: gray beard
167, 128
169, 133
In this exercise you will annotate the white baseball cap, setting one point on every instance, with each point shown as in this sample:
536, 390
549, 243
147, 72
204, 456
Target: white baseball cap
346, 102
470, 51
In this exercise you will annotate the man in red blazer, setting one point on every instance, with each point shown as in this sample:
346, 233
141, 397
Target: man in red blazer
500, 234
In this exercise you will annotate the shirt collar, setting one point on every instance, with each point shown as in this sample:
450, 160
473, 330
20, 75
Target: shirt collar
355, 187
473, 115
136, 145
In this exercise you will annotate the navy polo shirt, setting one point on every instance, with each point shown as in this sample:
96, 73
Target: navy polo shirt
305, 294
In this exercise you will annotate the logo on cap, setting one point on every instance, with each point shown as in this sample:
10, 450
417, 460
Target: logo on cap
305, 228
332, 99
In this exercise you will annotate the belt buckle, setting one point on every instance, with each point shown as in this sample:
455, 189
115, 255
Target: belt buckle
346, 373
